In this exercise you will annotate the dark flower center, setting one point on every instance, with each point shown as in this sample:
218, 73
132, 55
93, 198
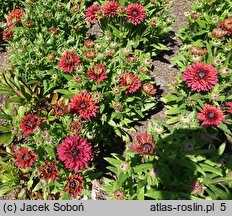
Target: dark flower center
69, 60
60, 110
201, 74
147, 147
75, 152
25, 157
49, 168
83, 105
72, 185
28, 123
211, 115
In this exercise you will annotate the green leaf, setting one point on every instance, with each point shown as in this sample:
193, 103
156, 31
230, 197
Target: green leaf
114, 162
6, 138
169, 97
6, 128
143, 167
159, 195
208, 168
37, 187
4, 116
122, 177
221, 149
65, 196
50, 151
140, 194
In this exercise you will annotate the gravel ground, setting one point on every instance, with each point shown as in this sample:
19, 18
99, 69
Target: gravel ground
163, 72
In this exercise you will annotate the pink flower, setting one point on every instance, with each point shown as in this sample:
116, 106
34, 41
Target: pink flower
75, 152
14, 17
25, 158
131, 81
211, 115
83, 105
29, 123
110, 9
97, 73
135, 13
69, 61
146, 145
92, 12
229, 106
200, 77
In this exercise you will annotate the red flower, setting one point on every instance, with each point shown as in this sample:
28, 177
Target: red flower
132, 82
89, 43
200, 77
29, 123
8, 33
74, 185
60, 109
92, 12
69, 61
229, 106
75, 152
25, 158
50, 170
75, 127
211, 115
146, 145
83, 105
97, 73
148, 88
110, 9
135, 13
14, 17
227, 25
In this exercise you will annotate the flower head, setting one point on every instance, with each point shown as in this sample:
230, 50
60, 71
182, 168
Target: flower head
29, 123
199, 51
148, 88
8, 33
135, 13
229, 106
131, 81
60, 109
50, 170
197, 188
75, 152
226, 25
14, 17
211, 115
25, 158
75, 127
74, 185
119, 194
110, 9
89, 43
68, 62
83, 105
92, 13
146, 145
97, 73
200, 77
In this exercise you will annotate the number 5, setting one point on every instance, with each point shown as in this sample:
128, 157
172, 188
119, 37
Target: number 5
223, 207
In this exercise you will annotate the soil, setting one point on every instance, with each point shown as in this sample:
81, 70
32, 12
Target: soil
163, 73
